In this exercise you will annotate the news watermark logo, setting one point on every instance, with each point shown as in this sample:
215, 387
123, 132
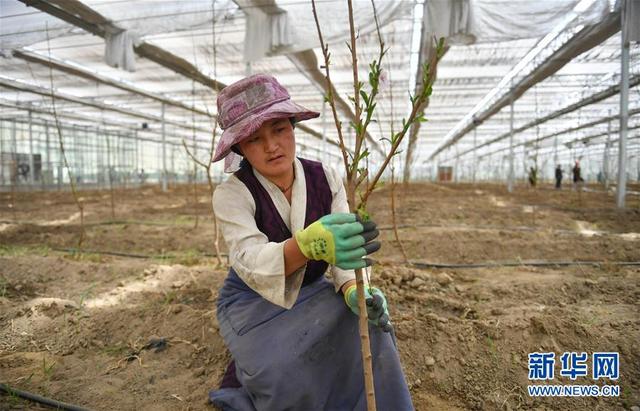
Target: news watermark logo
573, 365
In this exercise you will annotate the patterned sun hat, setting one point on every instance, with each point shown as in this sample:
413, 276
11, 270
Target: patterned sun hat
246, 104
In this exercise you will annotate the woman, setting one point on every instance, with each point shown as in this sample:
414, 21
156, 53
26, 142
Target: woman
293, 336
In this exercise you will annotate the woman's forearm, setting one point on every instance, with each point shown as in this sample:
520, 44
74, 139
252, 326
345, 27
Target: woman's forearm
293, 257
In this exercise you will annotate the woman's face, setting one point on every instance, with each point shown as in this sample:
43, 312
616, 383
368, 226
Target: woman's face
272, 148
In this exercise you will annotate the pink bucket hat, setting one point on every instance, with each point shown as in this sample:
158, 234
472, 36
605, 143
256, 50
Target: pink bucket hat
246, 104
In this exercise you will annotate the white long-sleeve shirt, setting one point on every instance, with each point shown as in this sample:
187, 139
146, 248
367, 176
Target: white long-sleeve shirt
258, 262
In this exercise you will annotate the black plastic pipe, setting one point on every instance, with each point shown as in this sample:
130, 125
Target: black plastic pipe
40, 399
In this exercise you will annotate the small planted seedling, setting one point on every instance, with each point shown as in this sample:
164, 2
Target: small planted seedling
86, 294
47, 368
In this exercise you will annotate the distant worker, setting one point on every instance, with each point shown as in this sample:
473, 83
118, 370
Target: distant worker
23, 171
577, 178
142, 176
558, 177
533, 176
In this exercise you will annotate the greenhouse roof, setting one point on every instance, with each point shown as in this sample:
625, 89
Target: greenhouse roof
557, 62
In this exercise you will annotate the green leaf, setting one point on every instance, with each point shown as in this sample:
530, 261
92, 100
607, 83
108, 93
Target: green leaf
429, 90
362, 213
364, 154
440, 47
362, 176
421, 118
364, 97
426, 70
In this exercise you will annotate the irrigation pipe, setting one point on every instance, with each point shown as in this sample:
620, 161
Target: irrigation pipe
481, 227
40, 399
535, 263
110, 222
130, 255
417, 264
381, 228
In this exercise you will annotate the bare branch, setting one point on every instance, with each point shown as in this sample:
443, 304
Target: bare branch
356, 98
417, 101
330, 97
193, 157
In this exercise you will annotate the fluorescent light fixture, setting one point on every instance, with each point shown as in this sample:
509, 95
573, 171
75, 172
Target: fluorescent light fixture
583, 6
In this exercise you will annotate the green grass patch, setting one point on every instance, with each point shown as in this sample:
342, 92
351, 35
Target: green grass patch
492, 348
169, 297
86, 294
23, 250
115, 350
47, 368
81, 256
3, 287
187, 257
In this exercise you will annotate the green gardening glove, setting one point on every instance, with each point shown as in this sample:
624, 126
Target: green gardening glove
340, 239
377, 310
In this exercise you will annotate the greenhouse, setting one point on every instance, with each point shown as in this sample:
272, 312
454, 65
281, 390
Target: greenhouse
489, 148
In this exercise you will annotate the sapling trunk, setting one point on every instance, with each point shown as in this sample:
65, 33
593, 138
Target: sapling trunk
355, 176
393, 215
216, 240
195, 165
193, 137
207, 166
195, 196
72, 182
393, 172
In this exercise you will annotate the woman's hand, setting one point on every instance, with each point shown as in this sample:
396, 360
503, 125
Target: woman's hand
377, 310
340, 239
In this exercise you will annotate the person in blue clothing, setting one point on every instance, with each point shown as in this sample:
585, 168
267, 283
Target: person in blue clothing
291, 332
558, 177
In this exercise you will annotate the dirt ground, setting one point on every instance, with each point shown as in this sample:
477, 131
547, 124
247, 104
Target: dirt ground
138, 331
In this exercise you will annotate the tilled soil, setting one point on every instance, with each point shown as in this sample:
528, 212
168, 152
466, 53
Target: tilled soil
122, 332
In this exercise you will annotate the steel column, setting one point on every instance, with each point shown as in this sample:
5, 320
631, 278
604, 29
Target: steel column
164, 154
624, 110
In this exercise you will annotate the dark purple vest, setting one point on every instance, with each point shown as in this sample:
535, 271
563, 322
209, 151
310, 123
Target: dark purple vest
268, 219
